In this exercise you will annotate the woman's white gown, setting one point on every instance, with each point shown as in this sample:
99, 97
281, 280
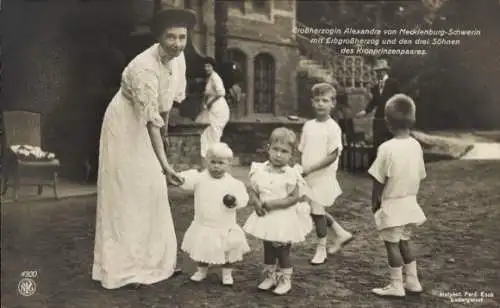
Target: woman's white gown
217, 116
135, 239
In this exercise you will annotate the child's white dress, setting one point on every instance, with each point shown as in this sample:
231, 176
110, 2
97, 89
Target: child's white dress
400, 164
290, 225
214, 237
317, 141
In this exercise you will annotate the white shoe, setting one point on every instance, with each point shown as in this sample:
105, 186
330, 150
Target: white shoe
334, 248
390, 290
284, 284
320, 256
412, 285
200, 274
340, 242
227, 277
269, 280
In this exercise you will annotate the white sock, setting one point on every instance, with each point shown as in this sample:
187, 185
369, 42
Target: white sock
411, 269
339, 230
322, 242
287, 271
396, 275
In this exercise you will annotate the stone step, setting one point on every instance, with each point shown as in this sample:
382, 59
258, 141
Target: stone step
307, 62
314, 69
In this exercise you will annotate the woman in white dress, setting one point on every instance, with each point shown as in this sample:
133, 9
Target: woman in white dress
215, 108
135, 240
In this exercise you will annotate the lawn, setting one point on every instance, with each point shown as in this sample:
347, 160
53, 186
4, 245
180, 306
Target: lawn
460, 198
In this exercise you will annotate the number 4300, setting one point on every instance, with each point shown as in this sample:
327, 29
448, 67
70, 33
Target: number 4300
29, 274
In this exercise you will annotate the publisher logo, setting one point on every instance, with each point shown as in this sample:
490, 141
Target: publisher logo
26, 287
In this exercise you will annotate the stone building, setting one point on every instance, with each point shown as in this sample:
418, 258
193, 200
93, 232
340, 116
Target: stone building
64, 59
261, 40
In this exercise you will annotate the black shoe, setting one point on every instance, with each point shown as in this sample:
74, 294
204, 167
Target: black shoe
133, 286
177, 272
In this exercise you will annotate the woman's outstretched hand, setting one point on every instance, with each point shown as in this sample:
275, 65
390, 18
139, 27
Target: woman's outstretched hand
174, 179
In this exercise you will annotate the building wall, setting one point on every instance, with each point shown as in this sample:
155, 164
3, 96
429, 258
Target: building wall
286, 60
253, 34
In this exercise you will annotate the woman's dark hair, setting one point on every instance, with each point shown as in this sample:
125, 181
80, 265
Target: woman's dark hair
209, 60
168, 18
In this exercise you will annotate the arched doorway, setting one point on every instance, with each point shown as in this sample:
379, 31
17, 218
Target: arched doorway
264, 83
238, 75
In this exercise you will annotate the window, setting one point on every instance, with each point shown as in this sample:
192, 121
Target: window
354, 72
261, 6
239, 57
238, 4
193, 4
264, 79
257, 10
197, 7
240, 77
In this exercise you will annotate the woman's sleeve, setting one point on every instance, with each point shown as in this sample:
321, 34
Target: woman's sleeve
180, 94
141, 85
218, 85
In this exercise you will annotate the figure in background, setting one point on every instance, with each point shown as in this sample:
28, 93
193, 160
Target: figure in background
215, 108
385, 88
235, 95
234, 99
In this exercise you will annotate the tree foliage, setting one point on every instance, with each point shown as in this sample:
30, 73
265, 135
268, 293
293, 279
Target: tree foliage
454, 86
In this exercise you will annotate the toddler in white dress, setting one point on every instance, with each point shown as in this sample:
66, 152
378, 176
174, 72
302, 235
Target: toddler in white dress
214, 237
397, 171
280, 218
321, 146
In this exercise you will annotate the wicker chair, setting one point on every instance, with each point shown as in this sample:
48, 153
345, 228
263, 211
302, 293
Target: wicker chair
24, 128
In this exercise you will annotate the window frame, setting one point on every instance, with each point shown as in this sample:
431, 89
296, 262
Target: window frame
270, 80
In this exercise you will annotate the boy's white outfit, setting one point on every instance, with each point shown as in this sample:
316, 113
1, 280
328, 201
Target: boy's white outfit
214, 237
318, 140
400, 165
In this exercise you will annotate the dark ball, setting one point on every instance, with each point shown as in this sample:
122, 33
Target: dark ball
229, 201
